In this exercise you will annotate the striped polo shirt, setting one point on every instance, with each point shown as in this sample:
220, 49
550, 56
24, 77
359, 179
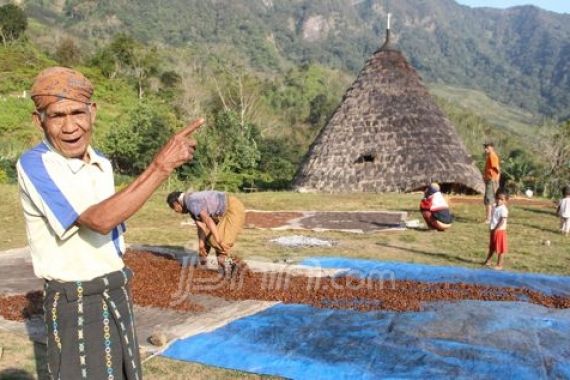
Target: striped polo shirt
54, 191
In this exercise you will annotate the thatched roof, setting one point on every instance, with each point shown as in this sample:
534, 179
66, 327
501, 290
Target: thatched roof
388, 134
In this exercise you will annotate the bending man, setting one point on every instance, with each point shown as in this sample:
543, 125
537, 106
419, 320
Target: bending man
219, 219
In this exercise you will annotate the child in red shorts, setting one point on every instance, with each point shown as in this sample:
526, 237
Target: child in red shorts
498, 231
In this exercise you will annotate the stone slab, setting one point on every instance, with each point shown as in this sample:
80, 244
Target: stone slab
16, 272
346, 221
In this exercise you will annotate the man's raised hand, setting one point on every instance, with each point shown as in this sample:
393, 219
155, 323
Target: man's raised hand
179, 149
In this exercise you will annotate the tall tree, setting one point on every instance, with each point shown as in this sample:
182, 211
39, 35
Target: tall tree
132, 141
144, 64
116, 57
518, 171
228, 154
237, 91
13, 23
555, 148
67, 52
126, 56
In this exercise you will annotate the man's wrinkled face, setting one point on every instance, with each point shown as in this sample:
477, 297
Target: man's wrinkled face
68, 126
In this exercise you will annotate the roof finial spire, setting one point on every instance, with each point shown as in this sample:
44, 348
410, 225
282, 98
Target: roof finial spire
388, 29
387, 42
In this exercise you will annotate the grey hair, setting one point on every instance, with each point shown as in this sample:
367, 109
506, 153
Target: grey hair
42, 115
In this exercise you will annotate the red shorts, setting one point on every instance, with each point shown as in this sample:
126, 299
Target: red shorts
498, 242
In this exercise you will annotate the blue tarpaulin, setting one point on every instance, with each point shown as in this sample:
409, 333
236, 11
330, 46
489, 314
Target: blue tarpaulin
462, 340
547, 284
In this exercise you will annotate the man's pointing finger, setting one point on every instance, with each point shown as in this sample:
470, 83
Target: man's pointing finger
188, 130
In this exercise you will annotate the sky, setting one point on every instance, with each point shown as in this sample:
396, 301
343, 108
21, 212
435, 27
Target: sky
560, 6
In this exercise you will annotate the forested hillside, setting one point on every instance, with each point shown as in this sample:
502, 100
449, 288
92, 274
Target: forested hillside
267, 76
520, 56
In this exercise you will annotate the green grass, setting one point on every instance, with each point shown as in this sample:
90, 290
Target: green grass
530, 225
464, 244
23, 360
161, 368
12, 229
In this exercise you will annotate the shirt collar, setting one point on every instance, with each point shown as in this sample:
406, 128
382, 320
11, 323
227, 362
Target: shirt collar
75, 164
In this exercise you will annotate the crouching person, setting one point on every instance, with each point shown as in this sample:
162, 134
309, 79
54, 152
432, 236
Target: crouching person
435, 209
219, 219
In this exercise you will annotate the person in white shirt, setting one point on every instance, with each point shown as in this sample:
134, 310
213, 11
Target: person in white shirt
498, 231
75, 221
563, 211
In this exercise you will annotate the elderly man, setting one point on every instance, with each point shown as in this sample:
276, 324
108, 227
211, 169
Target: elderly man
75, 223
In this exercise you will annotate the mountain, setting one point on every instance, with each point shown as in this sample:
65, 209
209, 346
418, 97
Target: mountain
519, 56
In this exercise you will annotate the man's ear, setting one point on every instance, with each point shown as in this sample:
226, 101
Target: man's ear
37, 120
93, 112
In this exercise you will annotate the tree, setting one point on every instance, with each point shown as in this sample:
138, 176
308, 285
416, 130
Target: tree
228, 156
555, 148
321, 109
126, 56
518, 171
68, 53
170, 79
238, 92
131, 144
116, 57
144, 64
122, 49
13, 23
277, 164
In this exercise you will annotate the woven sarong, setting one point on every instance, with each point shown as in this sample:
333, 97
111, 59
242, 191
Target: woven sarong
90, 327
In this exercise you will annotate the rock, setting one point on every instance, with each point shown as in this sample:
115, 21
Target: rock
546, 243
414, 223
157, 339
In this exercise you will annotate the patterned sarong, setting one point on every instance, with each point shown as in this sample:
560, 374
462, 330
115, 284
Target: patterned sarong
90, 327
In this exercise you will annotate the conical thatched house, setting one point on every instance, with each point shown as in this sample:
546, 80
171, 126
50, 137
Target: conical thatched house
387, 135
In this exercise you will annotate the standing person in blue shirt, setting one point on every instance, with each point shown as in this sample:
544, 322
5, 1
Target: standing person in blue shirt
75, 221
219, 219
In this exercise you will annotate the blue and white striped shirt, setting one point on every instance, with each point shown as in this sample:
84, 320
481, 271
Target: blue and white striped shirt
54, 191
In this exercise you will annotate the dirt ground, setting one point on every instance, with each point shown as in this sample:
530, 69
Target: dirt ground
164, 283
257, 219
